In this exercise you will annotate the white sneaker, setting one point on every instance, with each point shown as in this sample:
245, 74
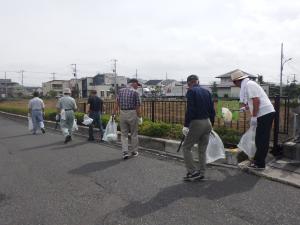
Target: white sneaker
125, 155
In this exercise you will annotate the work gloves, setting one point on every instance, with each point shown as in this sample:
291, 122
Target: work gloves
185, 131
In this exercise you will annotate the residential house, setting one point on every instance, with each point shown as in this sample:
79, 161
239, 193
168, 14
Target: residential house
227, 88
155, 86
10, 89
55, 87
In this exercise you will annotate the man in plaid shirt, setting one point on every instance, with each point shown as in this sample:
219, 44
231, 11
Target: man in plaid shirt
129, 103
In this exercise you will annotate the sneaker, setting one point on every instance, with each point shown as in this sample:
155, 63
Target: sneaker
43, 130
125, 155
134, 153
196, 175
256, 167
67, 139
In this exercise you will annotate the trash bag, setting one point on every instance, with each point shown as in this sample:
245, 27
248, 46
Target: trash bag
215, 148
247, 142
87, 120
227, 115
110, 134
30, 124
75, 127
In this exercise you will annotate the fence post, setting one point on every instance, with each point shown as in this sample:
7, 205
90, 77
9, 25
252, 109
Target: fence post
276, 124
153, 110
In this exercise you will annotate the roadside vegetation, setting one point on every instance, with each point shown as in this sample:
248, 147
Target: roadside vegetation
229, 136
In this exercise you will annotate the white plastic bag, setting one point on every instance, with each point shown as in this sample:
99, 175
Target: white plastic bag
227, 115
75, 127
30, 124
63, 114
215, 148
87, 120
247, 142
110, 134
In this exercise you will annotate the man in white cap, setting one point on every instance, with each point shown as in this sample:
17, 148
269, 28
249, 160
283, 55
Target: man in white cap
254, 98
129, 103
66, 106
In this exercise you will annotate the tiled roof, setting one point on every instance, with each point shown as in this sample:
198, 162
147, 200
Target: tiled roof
229, 73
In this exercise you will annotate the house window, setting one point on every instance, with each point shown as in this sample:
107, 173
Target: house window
101, 93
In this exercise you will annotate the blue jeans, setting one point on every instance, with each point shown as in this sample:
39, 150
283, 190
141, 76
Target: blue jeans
96, 116
37, 120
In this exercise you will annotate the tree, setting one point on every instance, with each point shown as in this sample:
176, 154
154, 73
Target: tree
260, 79
52, 93
214, 90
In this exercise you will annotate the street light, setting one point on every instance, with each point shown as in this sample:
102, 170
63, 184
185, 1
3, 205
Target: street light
281, 69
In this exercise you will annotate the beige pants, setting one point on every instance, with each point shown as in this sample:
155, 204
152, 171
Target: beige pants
129, 123
199, 131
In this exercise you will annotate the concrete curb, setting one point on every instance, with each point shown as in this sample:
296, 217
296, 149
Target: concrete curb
168, 148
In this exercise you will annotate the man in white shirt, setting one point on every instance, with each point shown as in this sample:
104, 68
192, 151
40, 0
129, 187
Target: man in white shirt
254, 98
36, 109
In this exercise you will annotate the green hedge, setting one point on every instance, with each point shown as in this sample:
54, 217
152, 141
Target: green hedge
153, 129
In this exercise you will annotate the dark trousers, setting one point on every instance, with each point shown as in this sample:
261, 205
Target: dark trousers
262, 138
96, 116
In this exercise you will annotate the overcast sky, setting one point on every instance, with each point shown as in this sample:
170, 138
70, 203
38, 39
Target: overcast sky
157, 37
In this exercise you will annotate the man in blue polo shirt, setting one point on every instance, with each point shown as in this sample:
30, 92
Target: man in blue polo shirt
199, 118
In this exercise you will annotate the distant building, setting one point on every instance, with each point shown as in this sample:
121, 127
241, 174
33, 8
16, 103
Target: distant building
55, 87
227, 88
10, 89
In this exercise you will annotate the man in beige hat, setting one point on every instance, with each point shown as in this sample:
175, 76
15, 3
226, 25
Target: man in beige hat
254, 98
66, 106
129, 103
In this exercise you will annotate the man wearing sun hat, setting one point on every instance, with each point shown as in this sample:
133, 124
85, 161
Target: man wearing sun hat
66, 106
254, 98
129, 103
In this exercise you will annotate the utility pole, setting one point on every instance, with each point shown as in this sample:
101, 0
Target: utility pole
135, 73
76, 82
22, 71
282, 62
53, 76
115, 72
5, 84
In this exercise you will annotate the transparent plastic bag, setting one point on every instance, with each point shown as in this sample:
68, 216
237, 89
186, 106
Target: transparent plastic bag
30, 124
87, 120
247, 142
75, 126
215, 148
110, 134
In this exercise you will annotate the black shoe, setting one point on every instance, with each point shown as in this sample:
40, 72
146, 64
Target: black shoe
67, 139
125, 155
43, 130
91, 139
194, 176
256, 167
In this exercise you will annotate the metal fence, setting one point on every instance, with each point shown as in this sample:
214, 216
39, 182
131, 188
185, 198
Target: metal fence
172, 110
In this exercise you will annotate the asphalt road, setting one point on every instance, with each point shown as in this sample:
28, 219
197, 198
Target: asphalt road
46, 182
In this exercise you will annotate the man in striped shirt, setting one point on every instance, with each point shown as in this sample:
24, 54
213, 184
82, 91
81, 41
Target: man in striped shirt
128, 101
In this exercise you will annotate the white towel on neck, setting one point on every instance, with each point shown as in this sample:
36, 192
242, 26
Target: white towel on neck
243, 96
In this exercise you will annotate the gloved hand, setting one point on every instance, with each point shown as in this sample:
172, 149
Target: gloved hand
185, 131
253, 121
243, 109
140, 120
